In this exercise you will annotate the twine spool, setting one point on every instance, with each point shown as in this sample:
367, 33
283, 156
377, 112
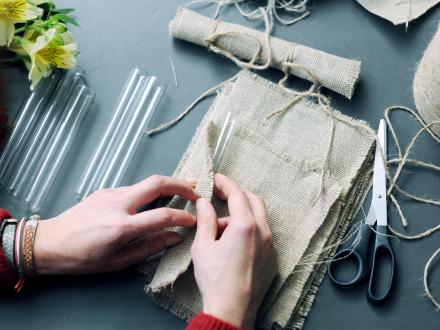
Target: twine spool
426, 84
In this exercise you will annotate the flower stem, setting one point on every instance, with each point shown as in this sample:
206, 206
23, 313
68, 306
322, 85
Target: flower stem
22, 29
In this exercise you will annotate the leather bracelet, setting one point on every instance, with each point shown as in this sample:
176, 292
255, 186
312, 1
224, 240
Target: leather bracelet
28, 246
19, 254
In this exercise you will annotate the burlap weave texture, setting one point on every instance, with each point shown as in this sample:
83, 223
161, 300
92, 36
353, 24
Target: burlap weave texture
281, 160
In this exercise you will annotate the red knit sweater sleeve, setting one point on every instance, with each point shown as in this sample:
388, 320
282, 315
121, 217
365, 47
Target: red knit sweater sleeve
7, 276
204, 321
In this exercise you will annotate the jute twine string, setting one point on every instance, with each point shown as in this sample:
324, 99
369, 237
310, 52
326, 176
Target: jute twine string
425, 280
252, 64
204, 95
296, 8
402, 160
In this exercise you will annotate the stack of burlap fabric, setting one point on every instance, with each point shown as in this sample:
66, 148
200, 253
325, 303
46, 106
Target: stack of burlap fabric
280, 159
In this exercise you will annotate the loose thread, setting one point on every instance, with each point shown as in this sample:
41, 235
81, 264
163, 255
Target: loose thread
204, 95
408, 18
402, 160
252, 64
352, 232
399, 210
426, 282
424, 234
174, 71
297, 8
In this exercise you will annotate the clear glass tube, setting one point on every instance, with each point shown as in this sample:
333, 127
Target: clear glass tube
27, 118
224, 138
116, 158
134, 142
44, 131
71, 121
117, 125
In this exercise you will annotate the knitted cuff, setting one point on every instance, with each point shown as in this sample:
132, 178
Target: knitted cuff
4, 214
204, 321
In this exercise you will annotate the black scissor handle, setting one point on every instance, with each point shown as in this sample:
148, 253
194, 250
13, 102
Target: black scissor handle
382, 253
357, 252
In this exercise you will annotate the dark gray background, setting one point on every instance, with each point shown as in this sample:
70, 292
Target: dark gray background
116, 35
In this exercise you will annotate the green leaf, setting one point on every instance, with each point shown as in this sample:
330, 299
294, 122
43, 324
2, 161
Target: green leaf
65, 11
65, 19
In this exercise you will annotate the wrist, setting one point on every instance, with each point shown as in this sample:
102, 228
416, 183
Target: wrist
43, 254
232, 314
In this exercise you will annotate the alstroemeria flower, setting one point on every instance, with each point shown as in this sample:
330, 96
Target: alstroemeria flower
49, 51
38, 2
11, 12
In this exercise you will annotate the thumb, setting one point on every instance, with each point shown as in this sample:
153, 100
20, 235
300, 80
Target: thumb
206, 220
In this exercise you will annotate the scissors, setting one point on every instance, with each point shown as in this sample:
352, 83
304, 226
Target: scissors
382, 254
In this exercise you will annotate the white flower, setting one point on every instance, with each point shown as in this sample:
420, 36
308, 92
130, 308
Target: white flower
50, 50
11, 12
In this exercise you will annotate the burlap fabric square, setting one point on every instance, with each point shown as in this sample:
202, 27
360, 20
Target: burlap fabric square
280, 159
398, 12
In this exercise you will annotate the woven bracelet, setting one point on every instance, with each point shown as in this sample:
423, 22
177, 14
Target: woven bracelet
28, 246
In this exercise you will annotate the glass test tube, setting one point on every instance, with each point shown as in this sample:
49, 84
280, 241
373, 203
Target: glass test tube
26, 120
77, 107
100, 158
224, 137
44, 131
117, 156
112, 147
137, 138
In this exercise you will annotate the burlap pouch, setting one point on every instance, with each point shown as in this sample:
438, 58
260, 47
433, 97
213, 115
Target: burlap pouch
281, 160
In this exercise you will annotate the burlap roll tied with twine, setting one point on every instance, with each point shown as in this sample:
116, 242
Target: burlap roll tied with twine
241, 44
280, 158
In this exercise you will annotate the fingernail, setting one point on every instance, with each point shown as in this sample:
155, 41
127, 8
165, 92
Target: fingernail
192, 181
173, 240
201, 203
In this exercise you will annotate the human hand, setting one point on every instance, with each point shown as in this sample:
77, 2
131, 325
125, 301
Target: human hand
103, 233
235, 270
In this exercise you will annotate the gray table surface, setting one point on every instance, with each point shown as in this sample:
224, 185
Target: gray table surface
116, 35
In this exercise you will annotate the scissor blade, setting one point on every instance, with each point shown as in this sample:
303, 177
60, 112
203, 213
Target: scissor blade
379, 201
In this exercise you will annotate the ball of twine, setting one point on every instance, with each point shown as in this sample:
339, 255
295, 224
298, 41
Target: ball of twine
426, 84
